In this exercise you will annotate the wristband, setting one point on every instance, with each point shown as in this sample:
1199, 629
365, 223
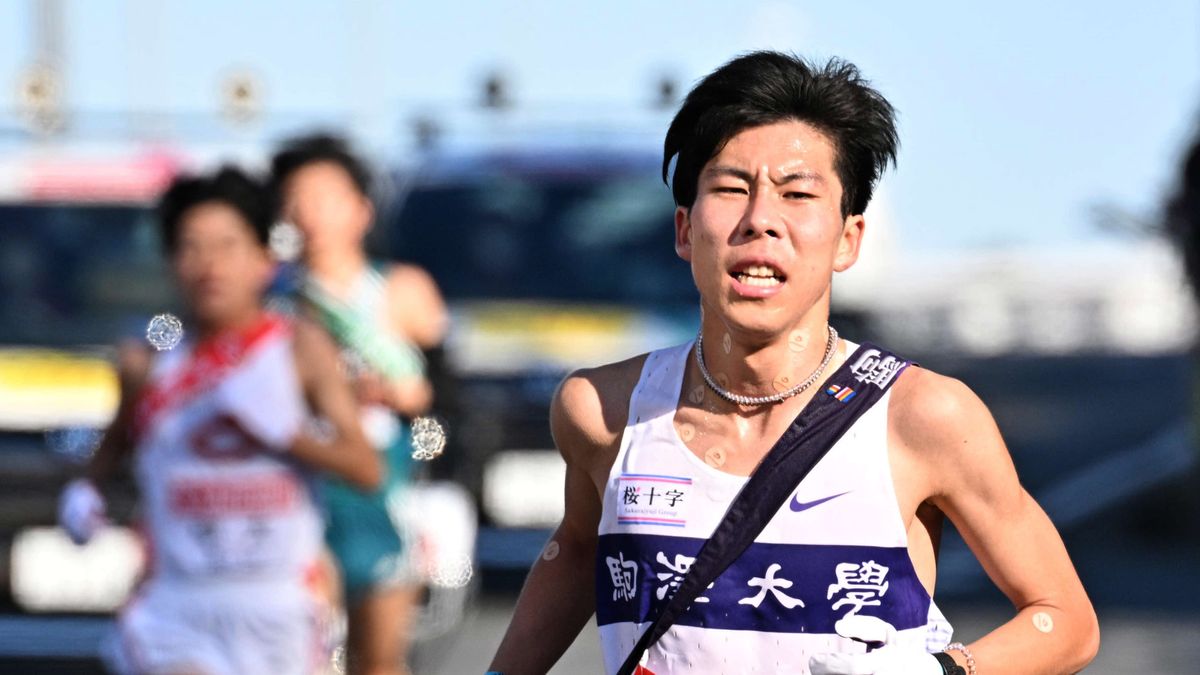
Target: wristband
958, 646
949, 667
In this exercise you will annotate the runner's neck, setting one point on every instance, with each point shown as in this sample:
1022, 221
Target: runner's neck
765, 367
338, 270
206, 332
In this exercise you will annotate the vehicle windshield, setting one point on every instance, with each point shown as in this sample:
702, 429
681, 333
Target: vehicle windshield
594, 238
79, 275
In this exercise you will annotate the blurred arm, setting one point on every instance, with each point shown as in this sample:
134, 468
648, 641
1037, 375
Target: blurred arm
347, 454
133, 364
416, 306
410, 397
81, 506
418, 313
972, 480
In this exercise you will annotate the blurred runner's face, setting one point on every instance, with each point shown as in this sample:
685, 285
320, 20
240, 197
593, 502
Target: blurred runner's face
322, 200
766, 233
221, 266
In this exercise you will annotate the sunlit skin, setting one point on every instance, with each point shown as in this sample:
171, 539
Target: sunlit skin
221, 267
769, 197
768, 206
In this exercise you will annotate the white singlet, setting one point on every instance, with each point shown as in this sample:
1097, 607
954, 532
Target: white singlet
234, 534
838, 548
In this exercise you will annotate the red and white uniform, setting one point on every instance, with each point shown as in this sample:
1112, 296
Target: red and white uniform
233, 529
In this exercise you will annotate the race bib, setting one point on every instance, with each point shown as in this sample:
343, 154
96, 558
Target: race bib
651, 499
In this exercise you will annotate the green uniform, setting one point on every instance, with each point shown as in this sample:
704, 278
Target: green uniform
364, 529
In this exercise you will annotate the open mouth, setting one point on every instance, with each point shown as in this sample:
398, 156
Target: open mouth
763, 276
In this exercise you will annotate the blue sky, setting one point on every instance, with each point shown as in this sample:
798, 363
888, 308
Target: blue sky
1015, 117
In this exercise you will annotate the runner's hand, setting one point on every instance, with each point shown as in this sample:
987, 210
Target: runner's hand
371, 389
889, 659
81, 510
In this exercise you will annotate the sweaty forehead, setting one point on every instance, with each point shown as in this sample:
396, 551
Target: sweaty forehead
788, 148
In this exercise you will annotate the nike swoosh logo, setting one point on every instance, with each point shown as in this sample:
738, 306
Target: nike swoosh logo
798, 505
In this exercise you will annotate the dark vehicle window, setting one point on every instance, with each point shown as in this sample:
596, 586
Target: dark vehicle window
72, 275
599, 239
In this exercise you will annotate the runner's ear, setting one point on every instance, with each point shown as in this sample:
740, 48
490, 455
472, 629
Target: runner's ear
849, 242
264, 270
683, 233
368, 215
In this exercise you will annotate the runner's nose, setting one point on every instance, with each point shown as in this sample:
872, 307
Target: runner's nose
760, 219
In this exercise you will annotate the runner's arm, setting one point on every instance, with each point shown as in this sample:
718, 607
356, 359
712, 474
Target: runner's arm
972, 480
81, 507
409, 397
559, 594
416, 305
133, 363
417, 312
347, 454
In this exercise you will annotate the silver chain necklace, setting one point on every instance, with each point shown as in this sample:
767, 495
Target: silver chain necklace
830, 348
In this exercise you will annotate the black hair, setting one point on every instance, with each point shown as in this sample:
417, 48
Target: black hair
765, 87
299, 152
228, 185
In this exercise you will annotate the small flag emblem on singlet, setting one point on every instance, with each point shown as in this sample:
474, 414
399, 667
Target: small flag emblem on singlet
841, 393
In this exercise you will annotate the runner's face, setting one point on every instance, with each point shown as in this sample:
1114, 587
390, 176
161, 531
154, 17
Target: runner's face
322, 200
765, 233
221, 266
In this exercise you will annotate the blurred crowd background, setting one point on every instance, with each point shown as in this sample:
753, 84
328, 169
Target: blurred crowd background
1021, 245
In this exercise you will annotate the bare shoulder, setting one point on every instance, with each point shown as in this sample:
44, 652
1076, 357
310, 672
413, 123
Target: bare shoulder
312, 347
926, 406
417, 307
309, 335
412, 280
589, 411
949, 430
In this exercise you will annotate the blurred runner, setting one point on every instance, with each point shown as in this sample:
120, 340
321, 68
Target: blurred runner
382, 317
222, 454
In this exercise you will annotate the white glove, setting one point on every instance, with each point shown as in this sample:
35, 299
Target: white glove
272, 414
81, 510
890, 659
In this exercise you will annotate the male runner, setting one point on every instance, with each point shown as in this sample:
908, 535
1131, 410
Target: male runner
382, 318
775, 159
222, 454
